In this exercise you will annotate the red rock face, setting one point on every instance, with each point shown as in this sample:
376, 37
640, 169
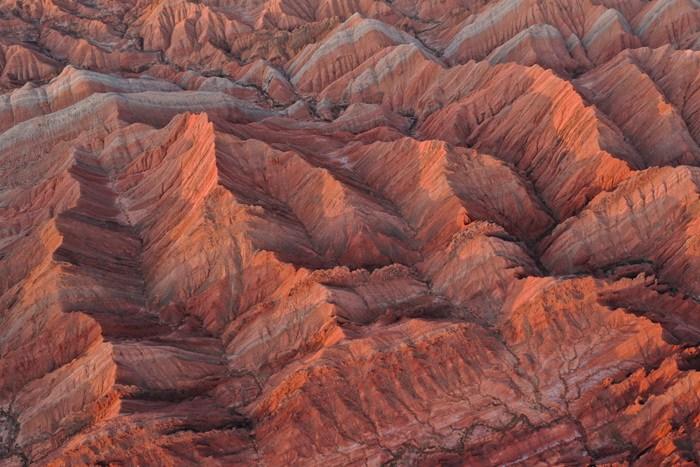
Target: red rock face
355, 232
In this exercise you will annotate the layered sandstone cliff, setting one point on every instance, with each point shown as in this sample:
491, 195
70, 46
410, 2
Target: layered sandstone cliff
354, 232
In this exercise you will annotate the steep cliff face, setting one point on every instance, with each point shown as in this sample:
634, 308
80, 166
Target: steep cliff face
356, 232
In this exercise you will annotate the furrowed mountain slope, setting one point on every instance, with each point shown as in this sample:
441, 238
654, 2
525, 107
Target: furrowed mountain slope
354, 232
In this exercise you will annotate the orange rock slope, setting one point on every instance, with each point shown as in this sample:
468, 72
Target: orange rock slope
349, 232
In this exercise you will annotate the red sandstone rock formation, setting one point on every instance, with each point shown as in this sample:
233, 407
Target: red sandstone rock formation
355, 232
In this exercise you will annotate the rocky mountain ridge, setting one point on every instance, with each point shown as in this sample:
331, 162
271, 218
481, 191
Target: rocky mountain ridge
349, 232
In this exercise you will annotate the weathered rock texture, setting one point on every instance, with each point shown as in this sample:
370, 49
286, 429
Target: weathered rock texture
349, 232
